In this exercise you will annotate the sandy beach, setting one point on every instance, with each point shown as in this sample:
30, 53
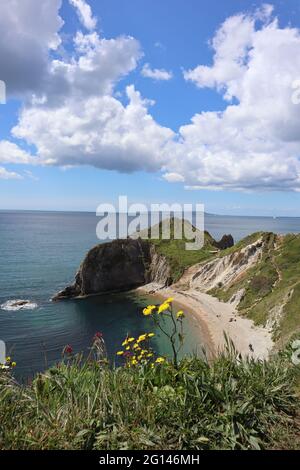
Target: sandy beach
217, 318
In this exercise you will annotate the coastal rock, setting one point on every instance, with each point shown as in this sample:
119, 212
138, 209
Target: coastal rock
125, 264
223, 271
118, 266
226, 241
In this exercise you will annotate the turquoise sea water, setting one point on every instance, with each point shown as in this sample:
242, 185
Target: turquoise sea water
40, 253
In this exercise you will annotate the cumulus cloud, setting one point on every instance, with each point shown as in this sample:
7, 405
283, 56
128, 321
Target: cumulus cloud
99, 131
94, 68
76, 118
28, 30
12, 153
174, 178
156, 74
9, 175
255, 142
85, 14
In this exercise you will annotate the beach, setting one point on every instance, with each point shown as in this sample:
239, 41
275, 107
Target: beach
218, 319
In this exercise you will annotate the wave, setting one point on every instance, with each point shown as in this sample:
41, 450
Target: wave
18, 304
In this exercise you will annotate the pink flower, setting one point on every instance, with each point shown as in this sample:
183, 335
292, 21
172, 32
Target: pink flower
97, 336
68, 349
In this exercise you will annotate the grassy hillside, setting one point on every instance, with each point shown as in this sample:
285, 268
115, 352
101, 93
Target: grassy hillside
272, 286
230, 404
178, 257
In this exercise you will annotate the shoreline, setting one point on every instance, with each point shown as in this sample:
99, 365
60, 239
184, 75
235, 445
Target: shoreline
216, 318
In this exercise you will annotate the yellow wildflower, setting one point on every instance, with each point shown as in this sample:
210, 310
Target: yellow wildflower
134, 362
13, 364
163, 307
169, 300
8, 359
148, 310
142, 338
160, 360
180, 314
150, 335
125, 342
130, 340
150, 355
120, 353
136, 346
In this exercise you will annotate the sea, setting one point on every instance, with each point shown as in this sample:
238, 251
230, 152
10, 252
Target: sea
39, 255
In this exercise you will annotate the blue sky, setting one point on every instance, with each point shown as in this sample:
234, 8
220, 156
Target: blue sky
142, 150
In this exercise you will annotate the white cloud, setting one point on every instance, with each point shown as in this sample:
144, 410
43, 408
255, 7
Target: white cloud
85, 14
12, 153
255, 142
28, 30
99, 131
76, 117
173, 177
156, 74
9, 175
94, 69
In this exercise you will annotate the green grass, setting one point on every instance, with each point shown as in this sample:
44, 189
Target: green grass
179, 258
272, 282
228, 404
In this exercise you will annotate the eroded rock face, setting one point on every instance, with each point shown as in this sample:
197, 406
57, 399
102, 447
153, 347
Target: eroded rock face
119, 265
222, 272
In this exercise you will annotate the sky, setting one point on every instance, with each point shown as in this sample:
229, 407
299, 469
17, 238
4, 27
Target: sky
174, 101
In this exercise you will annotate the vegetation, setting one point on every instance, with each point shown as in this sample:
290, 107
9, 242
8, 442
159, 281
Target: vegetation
178, 257
271, 286
231, 403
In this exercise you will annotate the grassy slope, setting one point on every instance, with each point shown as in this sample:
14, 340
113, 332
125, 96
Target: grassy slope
273, 282
228, 404
179, 258
267, 284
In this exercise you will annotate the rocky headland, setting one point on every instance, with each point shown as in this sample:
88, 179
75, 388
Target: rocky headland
122, 265
250, 290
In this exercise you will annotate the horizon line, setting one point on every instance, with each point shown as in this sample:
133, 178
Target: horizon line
205, 213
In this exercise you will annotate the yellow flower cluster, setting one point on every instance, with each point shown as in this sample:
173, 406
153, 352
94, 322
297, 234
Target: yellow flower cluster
9, 364
149, 310
166, 305
137, 351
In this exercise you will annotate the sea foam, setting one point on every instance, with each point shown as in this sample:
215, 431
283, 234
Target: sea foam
19, 304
